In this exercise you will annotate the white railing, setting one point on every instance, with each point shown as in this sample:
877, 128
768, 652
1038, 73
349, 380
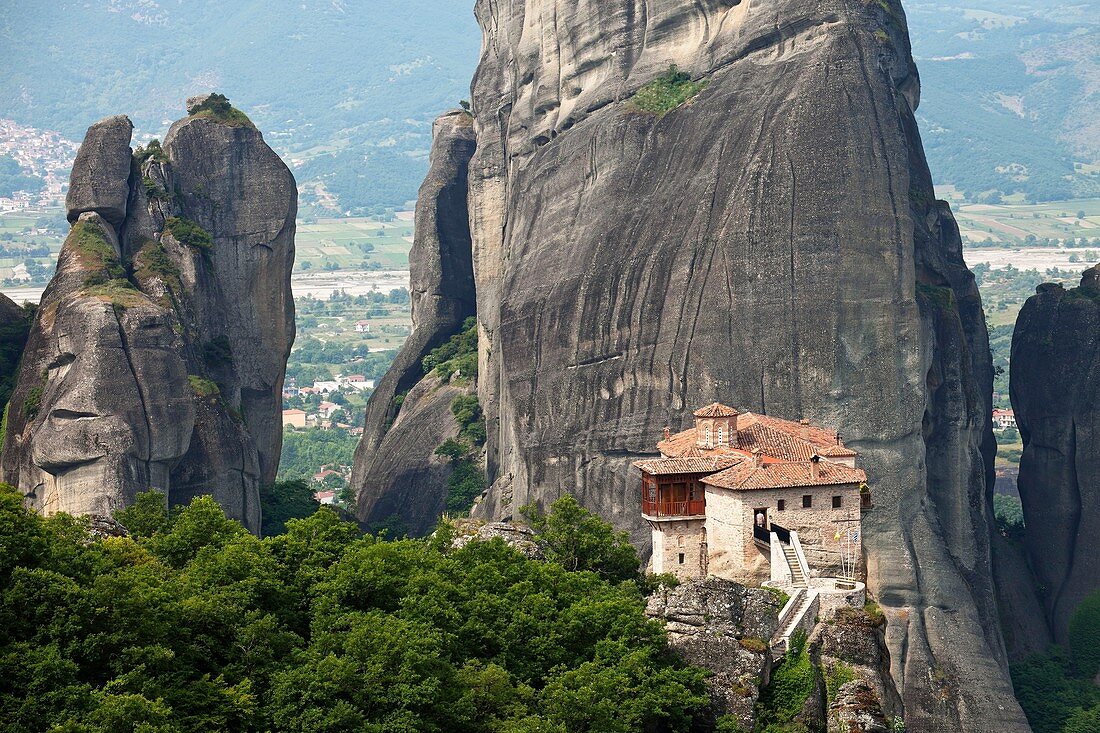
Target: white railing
802, 564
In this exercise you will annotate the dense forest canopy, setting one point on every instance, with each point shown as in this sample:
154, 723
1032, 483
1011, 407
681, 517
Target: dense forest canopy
192, 624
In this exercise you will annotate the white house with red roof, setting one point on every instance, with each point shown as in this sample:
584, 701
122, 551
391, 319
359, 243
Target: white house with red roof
754, 498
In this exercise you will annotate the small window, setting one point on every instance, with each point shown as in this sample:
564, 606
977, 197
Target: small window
706, 434
681, 558
838, 502
782, 505
807, 501
721, 435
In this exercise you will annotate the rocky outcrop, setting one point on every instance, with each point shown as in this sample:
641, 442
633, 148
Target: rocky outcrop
100, 179
396, 472
1055, 386
857, 710
773, 243
1023, 618
156, 358
850, 652
517, 536
404, 481
722, 626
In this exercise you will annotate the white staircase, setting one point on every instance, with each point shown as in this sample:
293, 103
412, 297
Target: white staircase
803, 602
798, 578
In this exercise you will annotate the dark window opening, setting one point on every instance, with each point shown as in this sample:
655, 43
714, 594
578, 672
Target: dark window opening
681, 558
782, 505
838, 501
807, 501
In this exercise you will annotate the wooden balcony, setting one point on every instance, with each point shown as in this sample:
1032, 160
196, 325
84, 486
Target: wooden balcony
667, 509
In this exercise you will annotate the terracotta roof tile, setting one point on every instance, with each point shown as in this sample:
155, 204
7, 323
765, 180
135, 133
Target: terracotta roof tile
666, 466
747, 476
777, 439
715, 409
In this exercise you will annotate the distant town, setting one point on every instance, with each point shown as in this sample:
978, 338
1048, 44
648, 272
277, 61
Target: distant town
40, 154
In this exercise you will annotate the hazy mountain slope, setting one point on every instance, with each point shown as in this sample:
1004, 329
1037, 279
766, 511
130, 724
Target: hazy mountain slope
1010, 93
349, 88
362, 77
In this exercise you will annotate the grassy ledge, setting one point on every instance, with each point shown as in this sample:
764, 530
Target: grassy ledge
216, 107
668, 91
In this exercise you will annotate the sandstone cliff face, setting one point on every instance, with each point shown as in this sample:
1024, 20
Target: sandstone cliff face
1055, 385
396, 471
156, 358
773, 244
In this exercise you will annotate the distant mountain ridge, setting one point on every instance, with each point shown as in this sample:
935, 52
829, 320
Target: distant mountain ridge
1010, 93
347, 89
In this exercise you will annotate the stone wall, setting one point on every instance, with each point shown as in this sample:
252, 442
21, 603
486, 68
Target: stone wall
733, 553
673, 539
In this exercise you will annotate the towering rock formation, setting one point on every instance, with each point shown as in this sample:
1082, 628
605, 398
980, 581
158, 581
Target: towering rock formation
396, 471
156, 358
758, 227
1056, 396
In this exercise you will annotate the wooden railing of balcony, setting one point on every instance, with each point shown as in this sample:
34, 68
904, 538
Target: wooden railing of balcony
661, 507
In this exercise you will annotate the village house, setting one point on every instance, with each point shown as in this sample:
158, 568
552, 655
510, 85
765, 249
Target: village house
294, 418
1003, 419
362, 327
753, 498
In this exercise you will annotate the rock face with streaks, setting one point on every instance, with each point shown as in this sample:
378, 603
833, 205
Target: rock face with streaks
157, 356
773, 243
396, 472
1055, 386
766, 235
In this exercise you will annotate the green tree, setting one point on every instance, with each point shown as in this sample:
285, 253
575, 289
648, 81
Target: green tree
285, 500
579, 540
192, 624
146, 516
1084, 636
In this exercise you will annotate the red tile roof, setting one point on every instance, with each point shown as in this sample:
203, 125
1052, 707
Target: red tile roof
748, 476
715, 409
666, 466
778, 440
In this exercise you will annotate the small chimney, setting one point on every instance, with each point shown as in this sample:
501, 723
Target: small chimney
757, 458
668, 432
815, 467
805, 428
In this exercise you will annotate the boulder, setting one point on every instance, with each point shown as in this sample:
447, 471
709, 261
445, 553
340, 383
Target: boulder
100, 179
517, 536
156, 358
1055, 390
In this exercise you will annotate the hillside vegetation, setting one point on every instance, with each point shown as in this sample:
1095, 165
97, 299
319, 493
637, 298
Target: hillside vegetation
192, 624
